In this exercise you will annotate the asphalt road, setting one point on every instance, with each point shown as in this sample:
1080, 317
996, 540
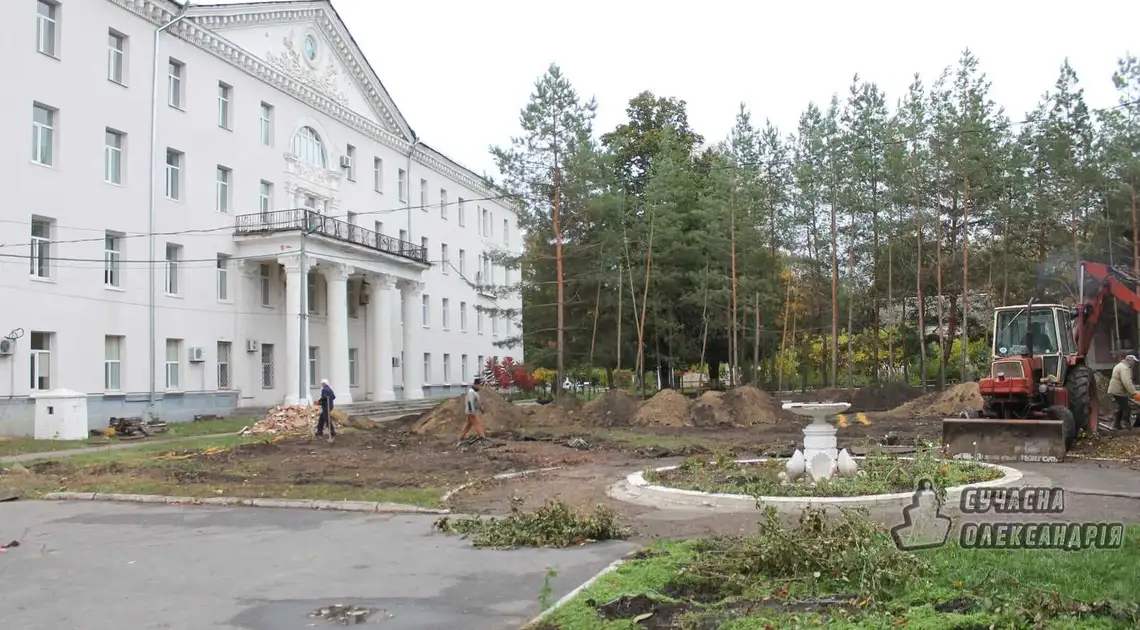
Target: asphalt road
108, 566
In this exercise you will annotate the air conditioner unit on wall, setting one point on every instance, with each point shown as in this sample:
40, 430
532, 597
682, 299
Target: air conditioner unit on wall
395, 361
197, 355
345, 161
251, 345
7, 347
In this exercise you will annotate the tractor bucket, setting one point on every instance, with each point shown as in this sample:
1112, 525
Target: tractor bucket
1004, 440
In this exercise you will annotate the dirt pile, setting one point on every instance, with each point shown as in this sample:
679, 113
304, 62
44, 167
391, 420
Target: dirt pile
563, 411
287, 419
449, 416
614, 408
944, 403
749, 406
709, 411
667, 408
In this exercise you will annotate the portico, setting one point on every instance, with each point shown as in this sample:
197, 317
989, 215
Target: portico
337, 256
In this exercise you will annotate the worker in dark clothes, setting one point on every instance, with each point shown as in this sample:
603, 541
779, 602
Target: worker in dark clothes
326, 403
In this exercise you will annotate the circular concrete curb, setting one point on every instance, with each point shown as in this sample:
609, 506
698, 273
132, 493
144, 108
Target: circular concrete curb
336, 506
511, 475
635, 489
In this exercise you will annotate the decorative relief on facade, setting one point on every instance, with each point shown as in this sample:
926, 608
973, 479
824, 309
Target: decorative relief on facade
324, 79
197, 31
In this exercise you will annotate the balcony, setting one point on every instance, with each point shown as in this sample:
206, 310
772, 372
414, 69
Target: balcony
313, 222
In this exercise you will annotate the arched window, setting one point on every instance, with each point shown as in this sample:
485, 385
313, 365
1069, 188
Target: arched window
307, 146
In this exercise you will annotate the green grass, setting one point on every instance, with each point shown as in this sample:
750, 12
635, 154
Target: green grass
878, 474
1010, 589
23, 446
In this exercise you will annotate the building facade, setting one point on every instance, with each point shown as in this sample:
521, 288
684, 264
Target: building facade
258, 218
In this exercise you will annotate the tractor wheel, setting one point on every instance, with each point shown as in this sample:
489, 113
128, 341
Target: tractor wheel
1068, 423
1080, 384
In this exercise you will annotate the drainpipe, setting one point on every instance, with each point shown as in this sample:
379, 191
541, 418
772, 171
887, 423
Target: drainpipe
150, 201
408, 203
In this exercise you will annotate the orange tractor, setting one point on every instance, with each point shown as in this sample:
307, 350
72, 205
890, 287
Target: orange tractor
1039, 392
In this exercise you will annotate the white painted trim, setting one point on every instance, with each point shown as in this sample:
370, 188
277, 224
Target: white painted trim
694, 498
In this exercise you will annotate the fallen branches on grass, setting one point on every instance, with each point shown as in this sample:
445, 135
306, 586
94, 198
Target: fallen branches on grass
553, 525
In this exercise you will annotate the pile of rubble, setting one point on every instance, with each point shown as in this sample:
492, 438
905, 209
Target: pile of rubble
286, 419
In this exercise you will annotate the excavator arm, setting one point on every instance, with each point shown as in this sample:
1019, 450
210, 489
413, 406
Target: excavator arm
1110, 285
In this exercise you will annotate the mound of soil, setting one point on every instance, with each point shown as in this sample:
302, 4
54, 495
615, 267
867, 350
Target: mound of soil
709, 411
562, 412
749, 406
616, 407
449, 416
667, 408
883, 397
944, 403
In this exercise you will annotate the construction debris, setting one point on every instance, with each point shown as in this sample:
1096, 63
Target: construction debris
286, 419
345, 615
131, 428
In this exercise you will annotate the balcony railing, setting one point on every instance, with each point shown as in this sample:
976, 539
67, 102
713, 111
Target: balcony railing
317, 223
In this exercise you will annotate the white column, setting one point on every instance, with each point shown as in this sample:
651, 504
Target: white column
337, 277
411, 293
380, 335
296, 357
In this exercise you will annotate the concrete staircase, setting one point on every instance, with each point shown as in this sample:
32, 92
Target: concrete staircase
389, 408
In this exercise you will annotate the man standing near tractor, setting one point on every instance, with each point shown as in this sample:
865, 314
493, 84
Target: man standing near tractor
1123, 391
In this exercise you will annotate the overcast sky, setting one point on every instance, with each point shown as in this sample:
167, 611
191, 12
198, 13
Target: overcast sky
460, 71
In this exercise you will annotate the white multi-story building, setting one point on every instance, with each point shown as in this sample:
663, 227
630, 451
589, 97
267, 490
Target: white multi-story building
201, 199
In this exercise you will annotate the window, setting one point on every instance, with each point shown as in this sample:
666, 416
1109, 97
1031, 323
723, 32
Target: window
173, 363
446, 369
174, 87
46, 27
425, 308
495, 325
463, 320
463, 262
224, 92
378, 175
402, 185
43, 134
173, 175
308, 148
462, 219
427, 367
353, 355
265, 199
222, 186
506, 233
442, 203
378, 226
350, 218
491, 226
350, 163
423, 195
445, 262
113, 157
479, 321
446, 306
173, 253
463, 367
266, 124
310, 202
311, 298
116, 56
40, 373
225, 349
41, 248
312, 366
424, 243
404, 235
267, 366
223, 277
112, 259
479, 365
112, 363
266, 283
486, 224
